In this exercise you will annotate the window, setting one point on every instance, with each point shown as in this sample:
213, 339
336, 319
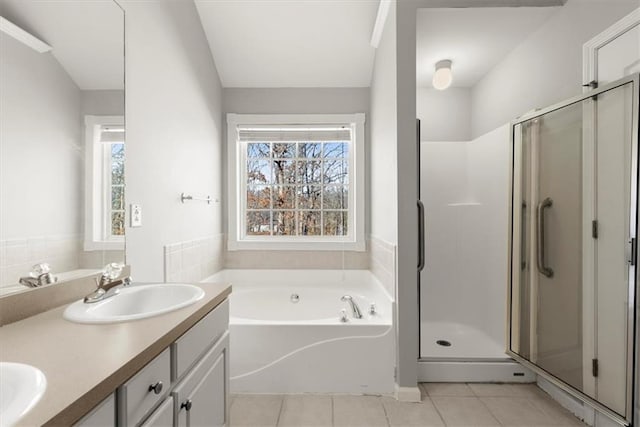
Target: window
296, 182
105, 186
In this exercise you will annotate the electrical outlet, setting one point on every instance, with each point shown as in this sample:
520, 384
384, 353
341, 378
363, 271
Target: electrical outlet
136, 215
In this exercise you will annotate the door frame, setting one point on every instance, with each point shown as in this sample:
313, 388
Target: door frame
514, 192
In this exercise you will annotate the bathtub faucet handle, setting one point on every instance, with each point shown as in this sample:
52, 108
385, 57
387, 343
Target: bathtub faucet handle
343, 316
372, 309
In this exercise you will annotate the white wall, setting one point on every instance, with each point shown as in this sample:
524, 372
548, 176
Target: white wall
41, 138
547, 67
444, 115
174, 122
41, 158
384, 136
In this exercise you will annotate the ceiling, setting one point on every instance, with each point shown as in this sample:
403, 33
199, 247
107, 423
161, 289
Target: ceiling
474, 39
87, 37
284, 43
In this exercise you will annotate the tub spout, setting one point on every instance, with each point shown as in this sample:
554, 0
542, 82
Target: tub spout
357, 314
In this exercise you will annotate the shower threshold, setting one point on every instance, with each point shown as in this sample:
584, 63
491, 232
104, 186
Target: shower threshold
481, 370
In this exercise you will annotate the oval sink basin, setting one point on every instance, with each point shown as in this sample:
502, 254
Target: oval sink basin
135, 302
21, 387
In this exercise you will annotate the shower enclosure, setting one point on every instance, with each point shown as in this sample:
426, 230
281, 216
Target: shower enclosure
573, 229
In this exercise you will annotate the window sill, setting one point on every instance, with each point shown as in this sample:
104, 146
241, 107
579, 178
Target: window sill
103, 246
235, 245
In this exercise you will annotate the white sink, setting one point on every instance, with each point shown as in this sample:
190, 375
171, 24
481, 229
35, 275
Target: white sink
135, 302
21, 386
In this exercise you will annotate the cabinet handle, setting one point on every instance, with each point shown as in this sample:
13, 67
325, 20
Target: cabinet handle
156, 388
187, 405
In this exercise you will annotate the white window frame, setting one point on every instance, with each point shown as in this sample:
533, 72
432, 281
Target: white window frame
97, 225
236, 158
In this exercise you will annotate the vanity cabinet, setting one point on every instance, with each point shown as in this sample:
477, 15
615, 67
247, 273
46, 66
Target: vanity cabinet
185, 385
102, 415
201, 399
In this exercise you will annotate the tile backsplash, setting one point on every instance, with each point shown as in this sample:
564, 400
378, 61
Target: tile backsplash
193, 260
17, 256
382, 263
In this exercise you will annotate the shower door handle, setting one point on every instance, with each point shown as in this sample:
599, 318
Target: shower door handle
542, 268
420, 235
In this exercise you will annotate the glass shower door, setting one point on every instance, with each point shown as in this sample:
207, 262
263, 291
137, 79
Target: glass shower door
573, 234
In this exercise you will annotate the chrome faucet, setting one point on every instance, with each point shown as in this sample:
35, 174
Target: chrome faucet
39, 276
106, 286
357, 314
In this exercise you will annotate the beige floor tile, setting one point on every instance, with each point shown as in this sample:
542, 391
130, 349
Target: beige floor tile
517, 411
364, 411
447, 389
306, 411
405, 414
506, 390
556, 412
464, 411
255, 410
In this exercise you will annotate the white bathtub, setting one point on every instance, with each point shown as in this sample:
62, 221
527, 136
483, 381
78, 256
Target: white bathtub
281, 346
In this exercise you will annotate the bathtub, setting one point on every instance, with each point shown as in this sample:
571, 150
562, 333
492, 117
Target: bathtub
287, 335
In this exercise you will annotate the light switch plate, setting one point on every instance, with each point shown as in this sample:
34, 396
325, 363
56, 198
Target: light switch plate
136, 215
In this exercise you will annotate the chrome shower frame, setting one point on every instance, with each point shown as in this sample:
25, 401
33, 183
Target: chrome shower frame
633, 329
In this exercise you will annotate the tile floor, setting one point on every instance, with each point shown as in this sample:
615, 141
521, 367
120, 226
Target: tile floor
442, 405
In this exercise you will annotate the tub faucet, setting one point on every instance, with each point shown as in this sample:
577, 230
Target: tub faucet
354, 306
107, 283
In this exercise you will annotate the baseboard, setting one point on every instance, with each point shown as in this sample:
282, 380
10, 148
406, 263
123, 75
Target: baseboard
408, 394
507, 371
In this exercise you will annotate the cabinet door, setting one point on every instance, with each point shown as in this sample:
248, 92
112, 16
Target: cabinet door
103, 415
161, 417
202, 398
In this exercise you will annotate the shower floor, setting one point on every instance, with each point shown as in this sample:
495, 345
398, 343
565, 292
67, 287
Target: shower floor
465, 342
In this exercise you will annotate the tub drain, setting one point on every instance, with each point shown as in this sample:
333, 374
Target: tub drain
443, 343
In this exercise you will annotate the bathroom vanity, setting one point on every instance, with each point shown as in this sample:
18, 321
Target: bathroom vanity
171, 369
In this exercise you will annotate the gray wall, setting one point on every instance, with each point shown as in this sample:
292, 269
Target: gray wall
174, 114
297, 101
546, 68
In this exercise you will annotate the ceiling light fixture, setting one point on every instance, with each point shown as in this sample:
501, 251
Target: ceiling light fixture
443, 77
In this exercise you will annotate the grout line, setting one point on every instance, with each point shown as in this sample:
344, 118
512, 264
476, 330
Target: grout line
490, 411
280, 411
437, 411
384, 409
333, 420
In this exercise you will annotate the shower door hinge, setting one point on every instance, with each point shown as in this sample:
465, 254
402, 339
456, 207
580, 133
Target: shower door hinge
634, 249
594, 367
594, 228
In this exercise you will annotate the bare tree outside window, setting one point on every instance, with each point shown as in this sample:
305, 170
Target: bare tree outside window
297, 188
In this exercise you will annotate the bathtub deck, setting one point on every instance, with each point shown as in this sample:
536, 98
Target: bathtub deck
442, 405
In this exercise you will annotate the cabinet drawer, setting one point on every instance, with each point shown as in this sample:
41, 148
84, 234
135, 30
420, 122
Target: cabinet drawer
201, 399
190, 346
161, 417
143, 391
104, 414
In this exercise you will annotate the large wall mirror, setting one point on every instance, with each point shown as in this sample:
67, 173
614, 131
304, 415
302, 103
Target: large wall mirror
573, 244
61, 140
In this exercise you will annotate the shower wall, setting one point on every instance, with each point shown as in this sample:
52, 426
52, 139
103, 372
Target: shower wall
463, 286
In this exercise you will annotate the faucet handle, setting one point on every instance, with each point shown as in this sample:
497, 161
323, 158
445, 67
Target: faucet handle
372, 309
40, 269
343, 316
112, 271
